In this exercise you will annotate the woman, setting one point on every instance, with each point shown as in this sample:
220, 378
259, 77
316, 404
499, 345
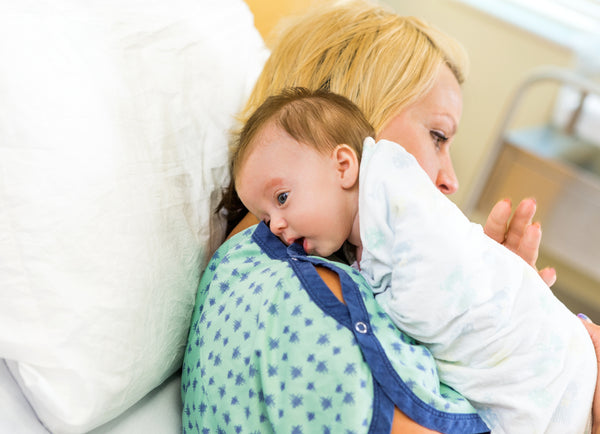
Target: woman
361, 52
406, 77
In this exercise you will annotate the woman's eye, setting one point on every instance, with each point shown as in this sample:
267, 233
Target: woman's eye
439, 138
282, 197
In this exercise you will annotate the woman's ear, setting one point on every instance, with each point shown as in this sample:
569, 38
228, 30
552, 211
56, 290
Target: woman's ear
347, 165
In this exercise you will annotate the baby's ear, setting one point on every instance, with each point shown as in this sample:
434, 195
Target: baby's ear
347, 165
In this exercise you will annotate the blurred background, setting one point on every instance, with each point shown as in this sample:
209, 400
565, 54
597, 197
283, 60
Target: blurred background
531, 120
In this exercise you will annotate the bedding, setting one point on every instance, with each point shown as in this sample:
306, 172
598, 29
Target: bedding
16, 415
157, 412
114, 118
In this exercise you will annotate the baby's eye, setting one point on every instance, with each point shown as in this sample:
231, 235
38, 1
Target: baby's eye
282, 197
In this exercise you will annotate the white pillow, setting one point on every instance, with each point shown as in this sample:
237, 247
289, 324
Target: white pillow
113, 139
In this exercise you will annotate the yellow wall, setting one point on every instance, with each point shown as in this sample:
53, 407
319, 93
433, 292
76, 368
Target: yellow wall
267, 13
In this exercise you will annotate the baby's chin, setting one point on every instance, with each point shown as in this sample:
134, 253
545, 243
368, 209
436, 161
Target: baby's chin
324, 252
308, 247
315, 250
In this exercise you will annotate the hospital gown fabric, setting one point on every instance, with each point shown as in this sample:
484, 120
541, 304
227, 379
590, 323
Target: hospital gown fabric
499, 335
271, 349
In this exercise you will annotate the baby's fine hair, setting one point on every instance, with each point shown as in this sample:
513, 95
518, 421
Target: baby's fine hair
316, 118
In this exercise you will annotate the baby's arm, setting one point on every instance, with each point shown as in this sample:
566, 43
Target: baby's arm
483, 312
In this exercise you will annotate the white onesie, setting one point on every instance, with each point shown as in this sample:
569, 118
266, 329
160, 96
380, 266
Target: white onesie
499, 335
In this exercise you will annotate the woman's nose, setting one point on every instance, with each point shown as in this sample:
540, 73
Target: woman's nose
446, 180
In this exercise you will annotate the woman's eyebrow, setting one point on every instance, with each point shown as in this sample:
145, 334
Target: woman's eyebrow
453, 123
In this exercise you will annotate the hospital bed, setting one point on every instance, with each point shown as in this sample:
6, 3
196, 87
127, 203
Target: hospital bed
114, 119
113, 141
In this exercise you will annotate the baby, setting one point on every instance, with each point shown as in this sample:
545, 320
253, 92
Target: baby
307, 165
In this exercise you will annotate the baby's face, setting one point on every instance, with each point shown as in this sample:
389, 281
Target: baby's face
296, 191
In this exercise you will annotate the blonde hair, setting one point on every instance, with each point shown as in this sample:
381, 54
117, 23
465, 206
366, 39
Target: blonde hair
379, 60
319, 119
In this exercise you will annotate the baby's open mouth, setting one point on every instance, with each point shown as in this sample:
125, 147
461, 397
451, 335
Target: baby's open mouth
302, 242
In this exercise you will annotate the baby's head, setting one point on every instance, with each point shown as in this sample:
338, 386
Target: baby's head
296, 166
319, 119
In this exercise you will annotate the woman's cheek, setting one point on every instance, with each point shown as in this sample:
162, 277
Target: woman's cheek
428, 163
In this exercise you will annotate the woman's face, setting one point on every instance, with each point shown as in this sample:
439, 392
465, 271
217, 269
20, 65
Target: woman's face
427, 127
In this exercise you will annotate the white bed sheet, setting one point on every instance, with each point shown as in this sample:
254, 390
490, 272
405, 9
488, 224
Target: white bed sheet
159, 411
16, 415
